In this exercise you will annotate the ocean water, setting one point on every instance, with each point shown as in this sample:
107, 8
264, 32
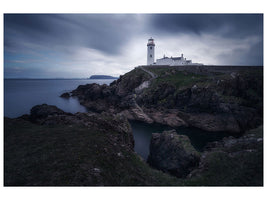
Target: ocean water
20, 95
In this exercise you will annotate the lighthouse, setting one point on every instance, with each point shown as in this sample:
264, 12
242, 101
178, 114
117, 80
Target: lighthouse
150, 51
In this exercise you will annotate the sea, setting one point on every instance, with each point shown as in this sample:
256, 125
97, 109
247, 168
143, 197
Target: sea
20, 95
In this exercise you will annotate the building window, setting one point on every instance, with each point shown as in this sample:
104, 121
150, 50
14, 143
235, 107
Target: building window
150, 47
150, 56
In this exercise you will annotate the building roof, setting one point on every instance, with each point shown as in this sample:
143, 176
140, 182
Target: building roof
176, 58
150, 44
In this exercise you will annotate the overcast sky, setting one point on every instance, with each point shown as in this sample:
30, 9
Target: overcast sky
81, 45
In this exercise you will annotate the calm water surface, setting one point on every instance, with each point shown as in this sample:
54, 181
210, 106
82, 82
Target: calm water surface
199, 138
21, 95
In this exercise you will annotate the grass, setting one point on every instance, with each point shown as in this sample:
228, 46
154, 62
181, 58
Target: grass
62, 155
70, 156
224, 169
178, 78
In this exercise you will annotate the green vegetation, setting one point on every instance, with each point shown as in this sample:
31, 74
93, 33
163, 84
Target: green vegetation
135, 74
179, 79
239, 164
75, 155
72, 155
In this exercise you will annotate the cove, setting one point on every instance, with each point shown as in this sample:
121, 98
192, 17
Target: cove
199, 138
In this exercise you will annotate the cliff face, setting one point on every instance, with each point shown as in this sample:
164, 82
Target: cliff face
232, 161
229, 162
52, 148
172, 153
213, 99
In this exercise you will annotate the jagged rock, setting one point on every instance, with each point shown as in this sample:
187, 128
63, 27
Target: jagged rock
65, 95
213, 122
51, 115
167, 117
136, 113
141, 87
172, 153
233, 161
44, 110
208, 102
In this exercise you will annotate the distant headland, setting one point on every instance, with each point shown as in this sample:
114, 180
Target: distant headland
102, 77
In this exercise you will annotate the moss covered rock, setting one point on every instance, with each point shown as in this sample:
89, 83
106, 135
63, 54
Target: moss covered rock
172, 153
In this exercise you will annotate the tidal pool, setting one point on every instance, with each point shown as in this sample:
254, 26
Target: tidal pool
142, 134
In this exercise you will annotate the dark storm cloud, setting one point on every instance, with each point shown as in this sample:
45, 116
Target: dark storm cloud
225, 26
71, 45
235, 25
103, 32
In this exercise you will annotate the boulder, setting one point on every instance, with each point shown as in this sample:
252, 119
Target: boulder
172, 153
44, 110
213, 122
65, 95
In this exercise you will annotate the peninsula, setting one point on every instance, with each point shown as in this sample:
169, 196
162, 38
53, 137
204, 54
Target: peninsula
102, 77
97, 147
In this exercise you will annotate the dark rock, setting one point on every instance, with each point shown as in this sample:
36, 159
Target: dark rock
233, 161
51, 115
102, 77
172, 153
65, 95
232, 102
213, 122
44, 110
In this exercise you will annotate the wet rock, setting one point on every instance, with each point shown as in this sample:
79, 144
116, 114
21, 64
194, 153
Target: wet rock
44, 110
65, 95
172, 153
51, 115
233, 161
213, 122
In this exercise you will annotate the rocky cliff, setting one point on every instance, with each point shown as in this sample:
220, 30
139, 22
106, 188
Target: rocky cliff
232, 161
212, 99
52, 148
172, 153
229, 162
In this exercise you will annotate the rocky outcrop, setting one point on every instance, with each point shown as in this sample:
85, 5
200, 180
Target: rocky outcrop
136, 114
65, 95
82, 149
172, 153
43, 111
232, 161
51, 115
170, 117
213, 123
214, 101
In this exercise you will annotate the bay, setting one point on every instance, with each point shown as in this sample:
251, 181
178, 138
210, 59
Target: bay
20, 95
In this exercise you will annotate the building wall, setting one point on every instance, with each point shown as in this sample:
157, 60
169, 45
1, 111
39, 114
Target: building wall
164, 61
171, 62
150, 54
179, 62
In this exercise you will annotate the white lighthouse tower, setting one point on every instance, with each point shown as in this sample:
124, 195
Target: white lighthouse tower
150, 51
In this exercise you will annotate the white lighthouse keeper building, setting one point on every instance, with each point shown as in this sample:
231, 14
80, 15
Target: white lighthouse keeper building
150, 52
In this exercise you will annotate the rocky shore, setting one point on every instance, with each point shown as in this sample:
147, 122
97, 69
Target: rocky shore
172, 153
50, 147
230, 101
